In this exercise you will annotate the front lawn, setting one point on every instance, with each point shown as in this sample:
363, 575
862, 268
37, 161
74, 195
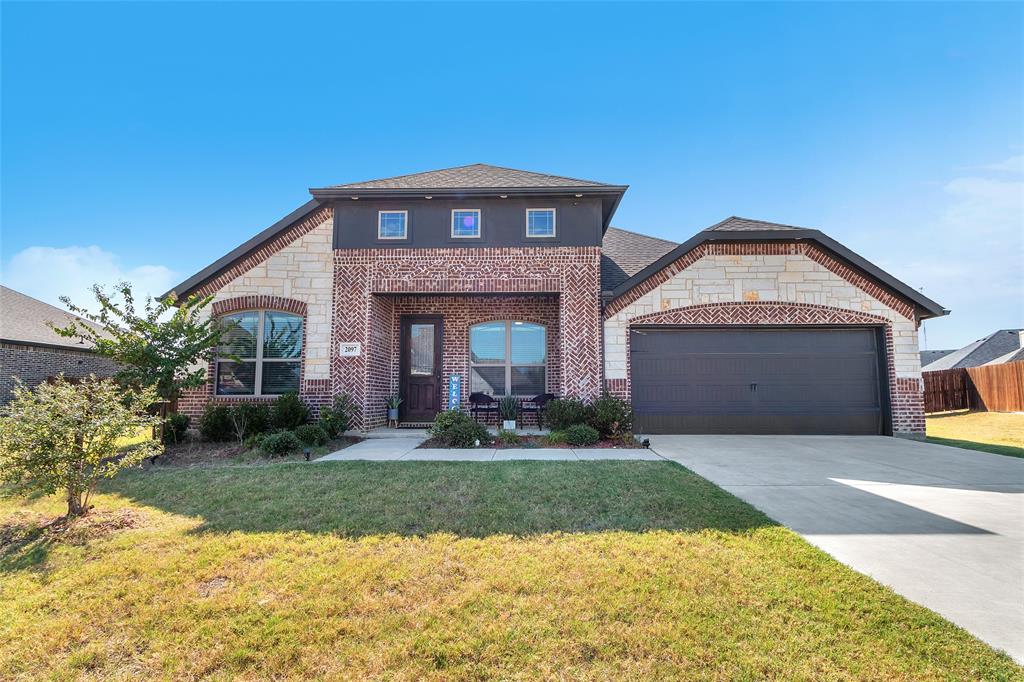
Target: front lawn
998, 432
512, 570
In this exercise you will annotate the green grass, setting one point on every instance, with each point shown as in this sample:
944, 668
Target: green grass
997, 432
516, 570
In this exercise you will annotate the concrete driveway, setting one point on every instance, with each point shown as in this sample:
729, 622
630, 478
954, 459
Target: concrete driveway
942, 526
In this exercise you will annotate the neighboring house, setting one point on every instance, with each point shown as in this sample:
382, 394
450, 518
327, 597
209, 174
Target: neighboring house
930, 356
500, 281
996, 348
31, 351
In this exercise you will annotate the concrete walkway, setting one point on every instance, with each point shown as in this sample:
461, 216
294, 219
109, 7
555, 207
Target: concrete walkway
942, 526
404, 449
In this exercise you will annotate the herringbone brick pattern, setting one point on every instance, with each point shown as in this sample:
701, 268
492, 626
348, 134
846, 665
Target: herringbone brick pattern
363, 311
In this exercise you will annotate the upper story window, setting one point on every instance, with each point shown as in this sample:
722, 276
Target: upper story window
540, 222
267, 350
508, 358
465, 223
392, 224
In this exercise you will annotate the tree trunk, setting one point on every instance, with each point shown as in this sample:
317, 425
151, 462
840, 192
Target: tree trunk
76, 507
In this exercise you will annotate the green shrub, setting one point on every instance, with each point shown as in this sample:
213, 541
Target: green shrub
611, 416
280, 443
249, 419
508, 437
562, 413
556, 438
468, 434
215, 423
311, 435
289, 412
581, 435
456, 429
255, 441
335, 418
508, 407
175, 427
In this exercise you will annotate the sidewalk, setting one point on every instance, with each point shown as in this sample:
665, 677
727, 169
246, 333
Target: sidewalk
404, 449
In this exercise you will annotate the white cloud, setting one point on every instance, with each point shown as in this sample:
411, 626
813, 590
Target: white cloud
1014, 164
970, 257
48, 273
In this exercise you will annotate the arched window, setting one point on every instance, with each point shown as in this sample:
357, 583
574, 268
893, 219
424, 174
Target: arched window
508, 358
267, 347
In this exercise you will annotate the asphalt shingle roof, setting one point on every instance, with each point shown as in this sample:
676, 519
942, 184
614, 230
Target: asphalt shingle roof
737, 224
474, 176
626, 253
24, 319
930, 356
984, 350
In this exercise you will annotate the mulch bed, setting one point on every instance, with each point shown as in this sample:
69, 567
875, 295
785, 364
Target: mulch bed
202, 453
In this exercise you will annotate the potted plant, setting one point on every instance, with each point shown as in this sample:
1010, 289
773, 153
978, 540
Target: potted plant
393, 402
508, 407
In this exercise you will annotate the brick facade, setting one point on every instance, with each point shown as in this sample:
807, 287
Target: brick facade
371, 292
359, 295
35, 364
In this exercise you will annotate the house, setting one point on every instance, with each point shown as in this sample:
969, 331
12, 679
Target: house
439, 284
32, 352
1004, 345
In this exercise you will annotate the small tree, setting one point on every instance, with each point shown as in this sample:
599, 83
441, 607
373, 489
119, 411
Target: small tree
169, 354
65, 436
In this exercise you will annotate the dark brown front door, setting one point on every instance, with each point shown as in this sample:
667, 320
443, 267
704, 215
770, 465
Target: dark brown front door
420, 384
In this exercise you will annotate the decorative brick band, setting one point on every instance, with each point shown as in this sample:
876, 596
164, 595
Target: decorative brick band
286, 305
815, 253
265, 251
905, 394
759, 312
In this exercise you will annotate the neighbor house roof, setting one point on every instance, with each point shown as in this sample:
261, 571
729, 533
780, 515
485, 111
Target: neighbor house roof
930, 356
736, 229
625, 253
25, 320
1004, 342
473, 176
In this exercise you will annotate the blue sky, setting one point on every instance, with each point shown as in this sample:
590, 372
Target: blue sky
145, 140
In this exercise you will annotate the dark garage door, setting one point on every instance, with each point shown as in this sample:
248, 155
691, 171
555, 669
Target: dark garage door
746, 380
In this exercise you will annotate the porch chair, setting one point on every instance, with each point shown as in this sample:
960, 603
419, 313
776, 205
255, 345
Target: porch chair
536, 405
481, 402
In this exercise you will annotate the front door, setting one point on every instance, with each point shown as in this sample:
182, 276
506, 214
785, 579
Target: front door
420, 384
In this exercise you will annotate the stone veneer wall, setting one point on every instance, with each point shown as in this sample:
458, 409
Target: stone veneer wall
739, 276
571, 273
294, 273
35, 364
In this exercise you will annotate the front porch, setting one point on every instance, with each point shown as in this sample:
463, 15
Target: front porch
434, 326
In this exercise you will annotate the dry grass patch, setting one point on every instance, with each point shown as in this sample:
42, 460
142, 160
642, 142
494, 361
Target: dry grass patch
408, 571
998, 432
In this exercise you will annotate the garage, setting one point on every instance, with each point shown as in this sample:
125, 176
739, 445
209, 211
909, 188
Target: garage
778, 380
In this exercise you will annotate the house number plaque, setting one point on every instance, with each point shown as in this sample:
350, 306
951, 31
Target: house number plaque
350, 349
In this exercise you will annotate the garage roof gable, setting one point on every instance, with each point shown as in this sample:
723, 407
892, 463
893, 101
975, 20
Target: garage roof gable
736, 229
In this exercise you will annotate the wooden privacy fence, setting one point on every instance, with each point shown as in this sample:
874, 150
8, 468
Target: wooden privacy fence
996, 388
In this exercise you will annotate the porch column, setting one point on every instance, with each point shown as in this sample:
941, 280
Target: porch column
580, 326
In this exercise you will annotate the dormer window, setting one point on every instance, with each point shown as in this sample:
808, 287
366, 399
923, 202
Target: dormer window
392, 224
465, 223
540, 222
